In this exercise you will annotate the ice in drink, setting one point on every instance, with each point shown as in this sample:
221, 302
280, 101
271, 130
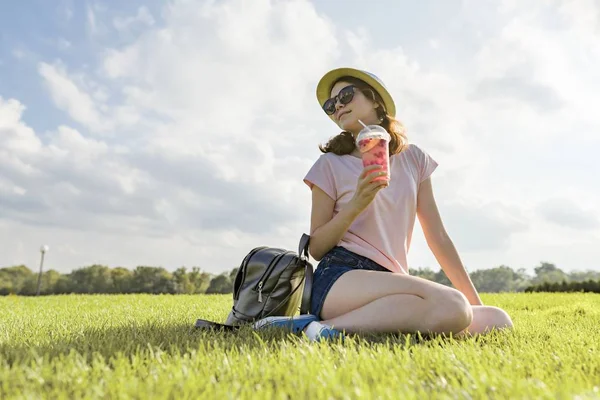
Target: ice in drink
373, 144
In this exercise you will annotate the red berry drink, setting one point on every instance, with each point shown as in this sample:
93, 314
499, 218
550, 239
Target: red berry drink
373, 144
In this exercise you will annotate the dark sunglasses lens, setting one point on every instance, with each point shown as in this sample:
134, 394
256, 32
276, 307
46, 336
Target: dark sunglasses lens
329, 106
346, 95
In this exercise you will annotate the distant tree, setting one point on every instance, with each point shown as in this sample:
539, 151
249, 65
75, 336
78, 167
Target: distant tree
441, 277
497, 279
21, 280
564, 286
582, 276
92, 279
152, 280
182, 282
199, 280
544, 268
592, 286
14, 279
122, 280
64, 285
220, 284
522, 280
548, 272
50, 279
494, 280
425, 273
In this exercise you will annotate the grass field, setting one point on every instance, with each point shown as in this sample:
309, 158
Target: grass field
143, 346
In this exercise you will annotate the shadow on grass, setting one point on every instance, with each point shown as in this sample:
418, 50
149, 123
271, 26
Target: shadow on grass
131, 339
178, 339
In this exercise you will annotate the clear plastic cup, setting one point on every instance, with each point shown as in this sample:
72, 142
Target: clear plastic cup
373, 144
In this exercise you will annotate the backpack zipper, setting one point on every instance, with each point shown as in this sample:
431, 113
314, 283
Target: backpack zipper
268, 273
244, 267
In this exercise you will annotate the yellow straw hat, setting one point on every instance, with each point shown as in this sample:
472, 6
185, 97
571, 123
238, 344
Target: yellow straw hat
328, 80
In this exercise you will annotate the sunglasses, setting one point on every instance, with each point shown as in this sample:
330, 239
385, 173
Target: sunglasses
345, 96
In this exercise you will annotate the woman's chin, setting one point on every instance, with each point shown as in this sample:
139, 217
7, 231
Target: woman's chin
350, 126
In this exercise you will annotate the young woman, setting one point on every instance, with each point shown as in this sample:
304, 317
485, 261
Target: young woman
361, 231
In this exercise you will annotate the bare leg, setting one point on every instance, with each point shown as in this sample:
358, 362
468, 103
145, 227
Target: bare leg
487, 318
383, 302
405, 313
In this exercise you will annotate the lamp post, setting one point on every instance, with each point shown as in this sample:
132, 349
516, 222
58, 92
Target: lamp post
43, 250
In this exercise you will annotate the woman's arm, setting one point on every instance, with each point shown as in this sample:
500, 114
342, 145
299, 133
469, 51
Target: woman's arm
326, 230
441, 245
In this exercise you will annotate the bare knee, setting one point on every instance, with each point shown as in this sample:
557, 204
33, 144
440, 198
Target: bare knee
452, 312
497, 318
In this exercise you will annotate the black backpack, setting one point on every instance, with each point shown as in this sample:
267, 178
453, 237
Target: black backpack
270, 282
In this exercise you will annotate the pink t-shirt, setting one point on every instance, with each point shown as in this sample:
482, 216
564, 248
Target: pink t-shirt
382, 232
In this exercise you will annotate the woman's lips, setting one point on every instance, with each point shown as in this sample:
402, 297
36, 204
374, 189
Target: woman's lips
343, 113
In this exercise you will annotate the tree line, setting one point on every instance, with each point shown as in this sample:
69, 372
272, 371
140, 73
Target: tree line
157, 280
102, 279
589, 286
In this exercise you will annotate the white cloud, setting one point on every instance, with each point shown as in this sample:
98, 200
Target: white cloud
92, 26
96, 24
15, 135
567, 213
143, 17
76, 145
209, 122
68, 96
282, 46
479, 227
207, 165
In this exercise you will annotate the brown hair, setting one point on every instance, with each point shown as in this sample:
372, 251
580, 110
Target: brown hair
343, 143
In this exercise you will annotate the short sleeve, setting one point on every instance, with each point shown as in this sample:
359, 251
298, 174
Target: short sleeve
321, 174
425, 163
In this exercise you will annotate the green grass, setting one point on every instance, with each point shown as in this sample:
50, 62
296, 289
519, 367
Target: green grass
143, 346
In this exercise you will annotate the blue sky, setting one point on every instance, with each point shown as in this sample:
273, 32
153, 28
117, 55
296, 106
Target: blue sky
66, 32
36, 31
113, 117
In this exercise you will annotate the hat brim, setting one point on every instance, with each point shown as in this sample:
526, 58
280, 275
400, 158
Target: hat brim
327, 81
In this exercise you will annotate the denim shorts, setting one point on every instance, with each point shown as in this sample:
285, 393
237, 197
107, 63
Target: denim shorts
334, 264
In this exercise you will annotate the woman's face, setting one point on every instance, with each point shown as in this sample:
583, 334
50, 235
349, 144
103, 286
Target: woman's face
361, 107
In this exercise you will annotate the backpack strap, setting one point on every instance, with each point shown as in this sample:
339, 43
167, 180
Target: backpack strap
210, 325
308, 275
303, 247
308, 280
